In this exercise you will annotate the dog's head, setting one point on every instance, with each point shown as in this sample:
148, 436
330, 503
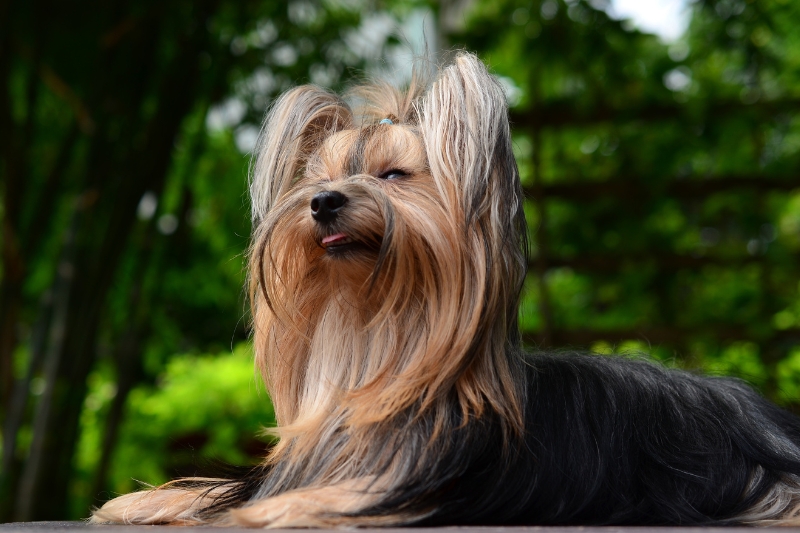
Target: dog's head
388, 251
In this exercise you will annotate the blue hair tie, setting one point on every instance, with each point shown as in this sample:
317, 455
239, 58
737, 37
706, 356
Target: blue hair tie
386, 121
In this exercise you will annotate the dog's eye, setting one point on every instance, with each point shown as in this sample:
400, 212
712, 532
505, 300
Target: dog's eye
393, 174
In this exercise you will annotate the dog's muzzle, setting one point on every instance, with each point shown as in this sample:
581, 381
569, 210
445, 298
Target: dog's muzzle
325, 206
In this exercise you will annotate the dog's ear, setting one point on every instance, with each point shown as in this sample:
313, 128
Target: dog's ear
467, 139
293, 129
464, 119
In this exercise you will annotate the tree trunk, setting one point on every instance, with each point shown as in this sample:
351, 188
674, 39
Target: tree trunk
128, 352
61, 296
11, 467
141, 170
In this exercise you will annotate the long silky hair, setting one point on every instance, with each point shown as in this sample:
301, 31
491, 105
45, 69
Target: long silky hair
381, 364
364, 349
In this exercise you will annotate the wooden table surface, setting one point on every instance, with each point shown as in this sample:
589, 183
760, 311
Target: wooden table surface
73, 527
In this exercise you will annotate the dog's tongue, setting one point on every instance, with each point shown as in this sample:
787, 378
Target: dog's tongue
333, 238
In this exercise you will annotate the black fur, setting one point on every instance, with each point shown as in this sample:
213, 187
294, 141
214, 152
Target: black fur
620, 441
608, 440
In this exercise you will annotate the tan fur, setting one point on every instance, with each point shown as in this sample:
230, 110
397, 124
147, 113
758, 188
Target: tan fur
320, 507
779, 507
162, 505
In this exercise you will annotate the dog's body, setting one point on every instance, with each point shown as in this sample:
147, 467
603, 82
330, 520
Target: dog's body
386, 267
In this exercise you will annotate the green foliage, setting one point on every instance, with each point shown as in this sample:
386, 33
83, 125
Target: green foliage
788, 372
201, 407
219, 395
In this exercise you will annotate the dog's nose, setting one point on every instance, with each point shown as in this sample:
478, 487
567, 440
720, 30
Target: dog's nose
326, 205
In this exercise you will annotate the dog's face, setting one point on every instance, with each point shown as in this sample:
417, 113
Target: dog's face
360, 181
365, 211
387, 256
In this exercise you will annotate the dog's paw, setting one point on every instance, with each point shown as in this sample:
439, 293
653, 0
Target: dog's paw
324, 507
317, 508
156, 506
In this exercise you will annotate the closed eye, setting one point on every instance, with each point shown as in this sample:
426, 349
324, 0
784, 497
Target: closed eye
393, 174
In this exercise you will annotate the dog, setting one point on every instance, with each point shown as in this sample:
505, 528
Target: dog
386, 265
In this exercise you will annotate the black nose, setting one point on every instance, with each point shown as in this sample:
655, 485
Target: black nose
326, 205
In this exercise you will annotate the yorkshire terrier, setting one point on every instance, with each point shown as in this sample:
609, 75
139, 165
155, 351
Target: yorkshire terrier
385, 273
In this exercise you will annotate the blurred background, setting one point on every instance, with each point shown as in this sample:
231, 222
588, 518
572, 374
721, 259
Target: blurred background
658, 142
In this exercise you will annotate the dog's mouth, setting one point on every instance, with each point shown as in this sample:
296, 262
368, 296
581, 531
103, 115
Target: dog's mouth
339, 243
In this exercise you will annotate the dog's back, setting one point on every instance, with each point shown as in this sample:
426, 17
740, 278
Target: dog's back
624, 441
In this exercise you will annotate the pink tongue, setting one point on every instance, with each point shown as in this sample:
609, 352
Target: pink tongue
332, 238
